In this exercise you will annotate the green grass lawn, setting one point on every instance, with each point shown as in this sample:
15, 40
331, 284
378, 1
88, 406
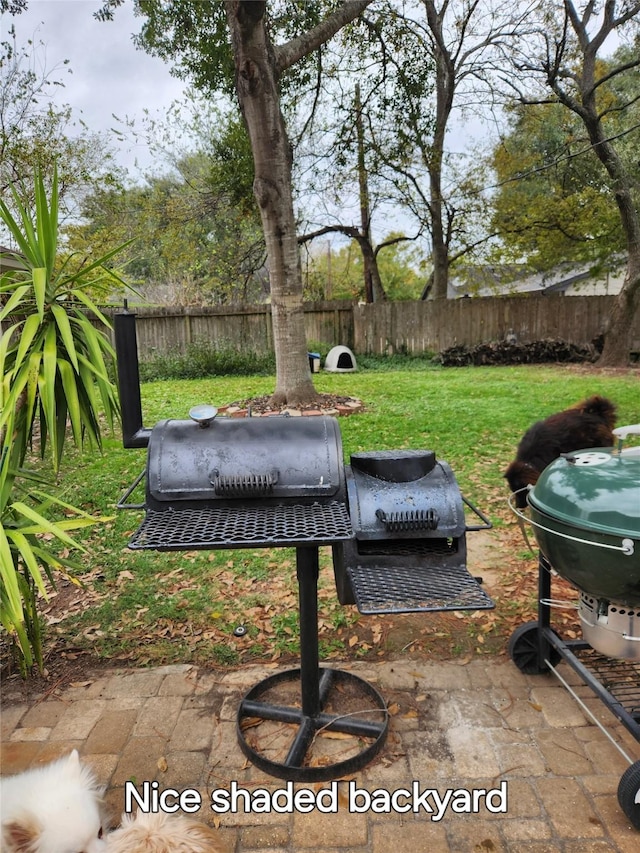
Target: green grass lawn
144, 607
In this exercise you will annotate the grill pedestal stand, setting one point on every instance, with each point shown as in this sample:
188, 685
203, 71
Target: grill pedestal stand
319, 689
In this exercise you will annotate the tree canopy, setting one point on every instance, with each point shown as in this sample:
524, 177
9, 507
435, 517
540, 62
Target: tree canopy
554, 197
193, 221
38, 134
351, 102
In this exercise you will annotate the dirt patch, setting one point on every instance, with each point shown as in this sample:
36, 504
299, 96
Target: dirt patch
63, 667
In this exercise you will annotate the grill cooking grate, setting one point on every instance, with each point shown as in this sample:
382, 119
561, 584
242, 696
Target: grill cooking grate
242, 526
419, 548
392, 589
620, 677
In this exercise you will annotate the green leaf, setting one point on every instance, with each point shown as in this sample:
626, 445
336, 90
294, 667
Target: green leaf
62, 321
29, 330
46, 224
5, 341
69, 383
82, 297
14, 228
40, 288
8, 576
43, 525
35, 360
47, 387
14, 300
25, 553
11, 399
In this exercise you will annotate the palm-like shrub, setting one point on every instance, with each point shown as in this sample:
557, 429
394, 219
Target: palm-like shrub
53, 362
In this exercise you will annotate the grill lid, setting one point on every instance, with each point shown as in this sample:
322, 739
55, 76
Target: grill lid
225, 458
597, 490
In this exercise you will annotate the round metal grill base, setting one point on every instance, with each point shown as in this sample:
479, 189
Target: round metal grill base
285, 742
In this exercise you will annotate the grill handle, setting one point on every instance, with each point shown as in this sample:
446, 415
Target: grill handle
415, 519
487, 525
122, 502
627, 546
243, 485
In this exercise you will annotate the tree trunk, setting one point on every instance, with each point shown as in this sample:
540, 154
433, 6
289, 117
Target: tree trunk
374, 291
617, 336
621, 320
445, 88
439, 250
257, 88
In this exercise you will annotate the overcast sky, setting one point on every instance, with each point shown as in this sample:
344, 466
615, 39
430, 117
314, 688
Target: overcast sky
110, 76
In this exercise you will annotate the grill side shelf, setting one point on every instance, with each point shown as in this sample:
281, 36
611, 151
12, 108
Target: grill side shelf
243, 527
427, 588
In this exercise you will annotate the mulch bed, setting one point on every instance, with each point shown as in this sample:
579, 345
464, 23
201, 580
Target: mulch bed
326, 404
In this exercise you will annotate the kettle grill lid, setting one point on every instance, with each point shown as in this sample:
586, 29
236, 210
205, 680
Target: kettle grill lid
596, 490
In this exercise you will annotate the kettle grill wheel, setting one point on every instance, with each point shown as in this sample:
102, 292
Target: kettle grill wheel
629, 793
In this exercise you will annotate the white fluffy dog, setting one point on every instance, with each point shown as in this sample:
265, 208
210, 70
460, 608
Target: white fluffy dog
56, 808
162, 833
52, 809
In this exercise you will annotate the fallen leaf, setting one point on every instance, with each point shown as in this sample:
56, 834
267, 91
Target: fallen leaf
125, 575
336, 735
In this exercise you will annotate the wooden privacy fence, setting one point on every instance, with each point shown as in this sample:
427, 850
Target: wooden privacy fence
384, 327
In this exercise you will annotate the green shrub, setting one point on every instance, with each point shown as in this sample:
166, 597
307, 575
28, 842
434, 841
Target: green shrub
202, 359
397, 361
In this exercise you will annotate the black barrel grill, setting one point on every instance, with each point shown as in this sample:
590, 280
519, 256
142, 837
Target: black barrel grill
241, 483
395, 521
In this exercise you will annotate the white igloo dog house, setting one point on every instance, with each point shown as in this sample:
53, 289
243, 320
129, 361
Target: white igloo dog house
340, 360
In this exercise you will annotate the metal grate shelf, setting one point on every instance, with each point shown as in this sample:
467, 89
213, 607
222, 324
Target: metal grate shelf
621, 678
243, 527
393, 589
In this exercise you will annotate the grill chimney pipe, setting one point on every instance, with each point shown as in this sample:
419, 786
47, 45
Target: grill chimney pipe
134, 434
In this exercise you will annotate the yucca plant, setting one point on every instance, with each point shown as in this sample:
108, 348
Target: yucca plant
54, 373
51, 355
24, 511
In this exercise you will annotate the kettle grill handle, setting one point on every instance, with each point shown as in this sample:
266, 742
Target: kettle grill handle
621, 433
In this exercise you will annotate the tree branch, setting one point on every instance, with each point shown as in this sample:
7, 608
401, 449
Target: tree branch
288, 54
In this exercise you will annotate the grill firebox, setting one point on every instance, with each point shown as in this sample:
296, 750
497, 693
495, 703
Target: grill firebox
408, 552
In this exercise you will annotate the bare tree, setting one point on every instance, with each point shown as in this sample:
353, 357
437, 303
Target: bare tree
467, 39
35, 133
563, 68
